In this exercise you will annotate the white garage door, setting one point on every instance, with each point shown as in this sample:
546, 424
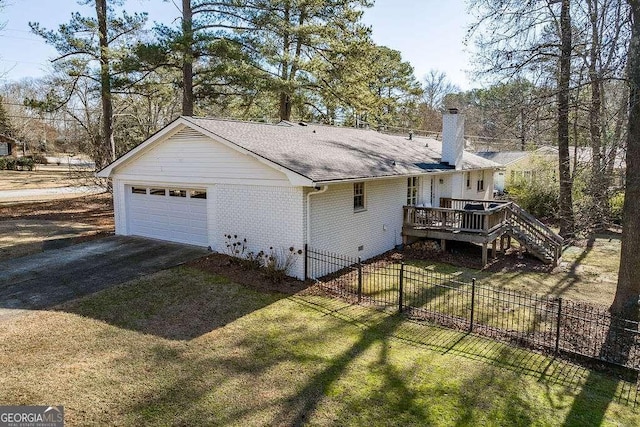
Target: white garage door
173, 214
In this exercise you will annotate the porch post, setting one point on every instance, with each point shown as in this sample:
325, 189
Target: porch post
493, 249
484, 254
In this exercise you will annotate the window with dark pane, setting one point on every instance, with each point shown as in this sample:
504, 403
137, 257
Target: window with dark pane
358, 196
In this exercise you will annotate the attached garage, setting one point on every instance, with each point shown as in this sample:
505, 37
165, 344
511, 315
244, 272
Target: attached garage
173, 214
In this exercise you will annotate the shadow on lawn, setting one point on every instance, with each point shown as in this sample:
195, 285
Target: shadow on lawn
572, 275
588, 409
297, 409
193, 393
594, 390
175, 304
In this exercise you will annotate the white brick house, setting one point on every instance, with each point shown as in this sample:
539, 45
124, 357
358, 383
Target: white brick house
287, 185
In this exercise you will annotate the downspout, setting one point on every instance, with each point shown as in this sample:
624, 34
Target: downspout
311, 193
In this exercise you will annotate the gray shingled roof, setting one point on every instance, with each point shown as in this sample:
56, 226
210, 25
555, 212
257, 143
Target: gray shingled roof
327, 153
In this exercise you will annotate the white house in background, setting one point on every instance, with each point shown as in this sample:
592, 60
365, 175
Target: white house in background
521, 165
542, 163
290, 184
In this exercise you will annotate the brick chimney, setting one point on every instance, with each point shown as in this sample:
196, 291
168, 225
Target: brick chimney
452, 138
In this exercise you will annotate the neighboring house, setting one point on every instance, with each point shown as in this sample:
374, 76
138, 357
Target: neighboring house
290, 184
582, 156
543, 164
522, 165
7, 145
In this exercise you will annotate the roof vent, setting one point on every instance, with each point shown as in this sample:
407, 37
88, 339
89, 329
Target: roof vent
453, 111
302, 123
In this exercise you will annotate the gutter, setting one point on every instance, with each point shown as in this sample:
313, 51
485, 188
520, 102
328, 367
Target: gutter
319, 190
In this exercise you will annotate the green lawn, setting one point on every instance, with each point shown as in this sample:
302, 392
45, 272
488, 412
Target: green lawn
183, 347
586, 273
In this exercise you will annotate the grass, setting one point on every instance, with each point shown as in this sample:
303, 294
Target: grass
183, 347
586, 273
15, 180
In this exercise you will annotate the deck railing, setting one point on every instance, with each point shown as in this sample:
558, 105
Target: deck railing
465, 216
487, 217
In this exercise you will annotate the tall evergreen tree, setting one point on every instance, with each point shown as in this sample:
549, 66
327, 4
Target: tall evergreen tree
203, 55
88, 48
290, 35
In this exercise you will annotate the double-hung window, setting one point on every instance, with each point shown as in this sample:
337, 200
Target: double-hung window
412, 191
358, 197
481, 181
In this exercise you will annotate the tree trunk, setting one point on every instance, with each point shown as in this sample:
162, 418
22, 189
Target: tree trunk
598, 184
628, 289
610, 159
566, 184
107, 150
187, 59
285, 96
523, 136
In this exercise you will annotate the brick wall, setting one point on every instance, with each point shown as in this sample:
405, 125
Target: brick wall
335, 226
265, 216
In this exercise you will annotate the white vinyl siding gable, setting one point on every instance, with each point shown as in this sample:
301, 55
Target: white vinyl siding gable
189, 156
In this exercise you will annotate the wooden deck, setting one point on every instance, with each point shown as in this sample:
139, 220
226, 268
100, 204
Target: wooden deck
482, 222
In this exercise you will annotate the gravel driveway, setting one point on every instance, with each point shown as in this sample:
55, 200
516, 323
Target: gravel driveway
45, 279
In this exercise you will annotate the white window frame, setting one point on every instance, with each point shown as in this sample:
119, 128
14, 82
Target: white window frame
413, 184
359, 197
480, 183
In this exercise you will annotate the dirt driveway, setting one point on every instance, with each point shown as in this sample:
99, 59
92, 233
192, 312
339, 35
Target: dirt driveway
45, 279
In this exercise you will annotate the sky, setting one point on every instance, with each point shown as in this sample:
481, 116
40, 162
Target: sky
428, 33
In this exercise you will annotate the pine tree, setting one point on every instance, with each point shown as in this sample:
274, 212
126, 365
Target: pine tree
88, 48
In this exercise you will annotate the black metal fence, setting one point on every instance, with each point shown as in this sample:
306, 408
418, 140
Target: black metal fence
550, 324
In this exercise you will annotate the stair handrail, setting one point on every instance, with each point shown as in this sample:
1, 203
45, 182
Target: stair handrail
543, 229
540, 235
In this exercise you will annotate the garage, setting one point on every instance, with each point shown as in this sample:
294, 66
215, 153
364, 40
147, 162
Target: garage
173, 214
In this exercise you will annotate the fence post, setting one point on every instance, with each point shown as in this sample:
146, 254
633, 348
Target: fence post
558, 325
306, 261
359, 280
401, 287
473, 298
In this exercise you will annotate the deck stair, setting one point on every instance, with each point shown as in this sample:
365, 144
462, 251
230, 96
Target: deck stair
539, 240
